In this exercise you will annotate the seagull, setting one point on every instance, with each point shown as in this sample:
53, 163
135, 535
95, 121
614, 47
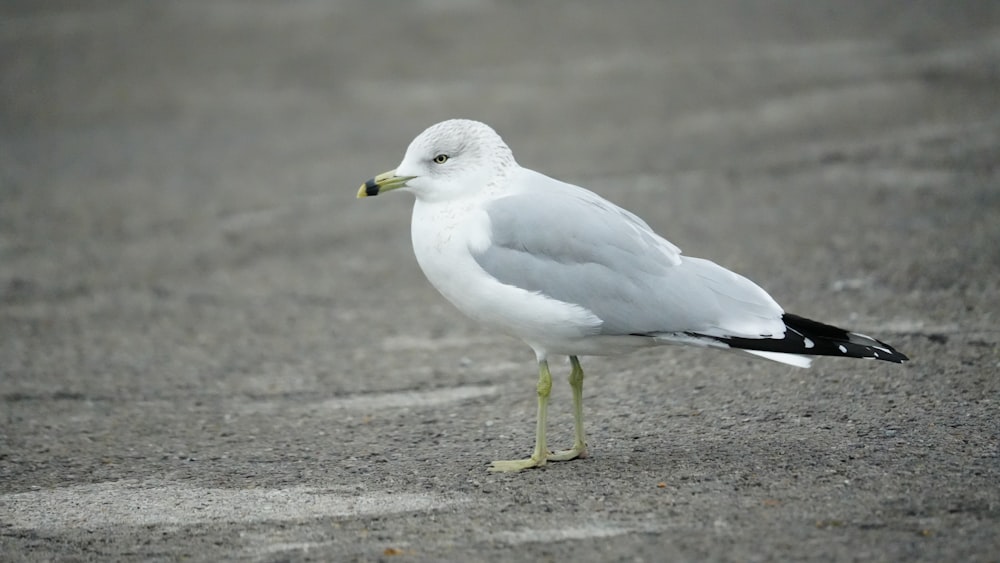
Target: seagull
572, 274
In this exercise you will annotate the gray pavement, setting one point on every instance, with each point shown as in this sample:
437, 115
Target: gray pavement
209, 350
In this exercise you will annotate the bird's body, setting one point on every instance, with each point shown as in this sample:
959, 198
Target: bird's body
448, 236
570, 273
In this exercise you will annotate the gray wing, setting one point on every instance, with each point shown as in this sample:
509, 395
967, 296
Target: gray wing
581, 249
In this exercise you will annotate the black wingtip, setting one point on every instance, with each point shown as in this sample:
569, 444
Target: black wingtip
836, 341
807, 337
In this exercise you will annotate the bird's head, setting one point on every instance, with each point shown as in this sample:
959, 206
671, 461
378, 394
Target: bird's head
449, 160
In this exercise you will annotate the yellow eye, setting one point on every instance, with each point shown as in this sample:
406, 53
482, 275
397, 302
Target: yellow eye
440, 159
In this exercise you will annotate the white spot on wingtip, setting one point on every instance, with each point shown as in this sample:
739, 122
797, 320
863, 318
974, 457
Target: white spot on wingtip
808, 343
842, 348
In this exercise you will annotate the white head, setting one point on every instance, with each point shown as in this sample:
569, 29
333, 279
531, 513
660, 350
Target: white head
451, 159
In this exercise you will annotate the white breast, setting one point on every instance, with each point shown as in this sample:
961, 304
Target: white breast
444, 235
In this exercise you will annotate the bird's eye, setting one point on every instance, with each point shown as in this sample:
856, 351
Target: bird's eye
440, 159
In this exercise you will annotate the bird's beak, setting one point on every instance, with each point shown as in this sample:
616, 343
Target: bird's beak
382, 183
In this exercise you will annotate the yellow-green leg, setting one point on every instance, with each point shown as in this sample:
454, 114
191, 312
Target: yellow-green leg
579, 448
540, 454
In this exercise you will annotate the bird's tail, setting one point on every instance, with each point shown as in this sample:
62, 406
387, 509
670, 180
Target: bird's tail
804, 337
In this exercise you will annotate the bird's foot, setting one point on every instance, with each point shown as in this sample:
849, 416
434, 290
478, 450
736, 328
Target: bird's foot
577, 451
508, 466
512, 465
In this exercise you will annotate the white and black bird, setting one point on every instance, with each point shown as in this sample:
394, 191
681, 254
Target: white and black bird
571, 273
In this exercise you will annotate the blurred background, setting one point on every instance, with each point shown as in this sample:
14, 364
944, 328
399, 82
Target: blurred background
180, 238
177, 178
200, 159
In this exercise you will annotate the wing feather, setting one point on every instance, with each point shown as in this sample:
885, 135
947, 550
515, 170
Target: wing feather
571, 245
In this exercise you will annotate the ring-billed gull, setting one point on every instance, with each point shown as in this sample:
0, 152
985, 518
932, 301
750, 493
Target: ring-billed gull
570, 273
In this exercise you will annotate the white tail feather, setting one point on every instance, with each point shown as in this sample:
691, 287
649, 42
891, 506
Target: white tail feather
790, 359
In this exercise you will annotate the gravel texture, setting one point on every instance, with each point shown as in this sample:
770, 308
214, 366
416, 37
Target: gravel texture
210, 350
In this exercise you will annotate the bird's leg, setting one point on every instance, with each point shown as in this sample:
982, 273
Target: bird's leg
540, 454
579, 448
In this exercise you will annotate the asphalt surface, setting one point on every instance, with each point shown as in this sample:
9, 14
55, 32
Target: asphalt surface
210, 350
